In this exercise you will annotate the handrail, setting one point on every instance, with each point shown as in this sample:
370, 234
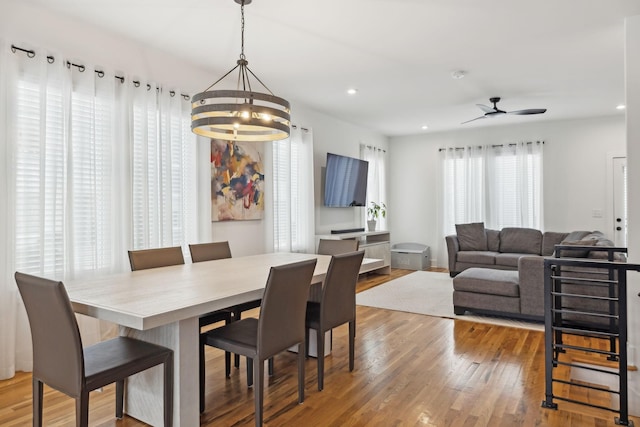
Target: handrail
615, 329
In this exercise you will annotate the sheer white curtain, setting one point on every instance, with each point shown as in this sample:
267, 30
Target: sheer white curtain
499, 185
514, 175
164, 174
376, 180
66, 180
464, 193
293, 200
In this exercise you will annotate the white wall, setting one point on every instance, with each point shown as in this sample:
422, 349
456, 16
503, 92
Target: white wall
575, 175
339, 137
632, 73
31, 27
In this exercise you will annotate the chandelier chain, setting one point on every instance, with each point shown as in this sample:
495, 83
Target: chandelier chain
242, 30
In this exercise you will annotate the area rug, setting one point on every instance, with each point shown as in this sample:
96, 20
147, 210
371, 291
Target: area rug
429, 293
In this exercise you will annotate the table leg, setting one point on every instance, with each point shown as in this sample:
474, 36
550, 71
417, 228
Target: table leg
143, 398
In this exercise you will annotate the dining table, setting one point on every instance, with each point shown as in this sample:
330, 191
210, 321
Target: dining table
162, 305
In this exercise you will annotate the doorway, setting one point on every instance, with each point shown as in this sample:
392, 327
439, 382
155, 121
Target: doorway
619, 168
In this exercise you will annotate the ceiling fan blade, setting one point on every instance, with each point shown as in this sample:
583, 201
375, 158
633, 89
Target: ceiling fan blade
529, 111
477, 118
485, 108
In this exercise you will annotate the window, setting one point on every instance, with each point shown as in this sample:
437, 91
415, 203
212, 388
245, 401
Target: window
376, 180
293, 210
499, 185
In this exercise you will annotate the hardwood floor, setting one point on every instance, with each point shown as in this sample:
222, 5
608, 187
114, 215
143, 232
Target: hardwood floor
410, 370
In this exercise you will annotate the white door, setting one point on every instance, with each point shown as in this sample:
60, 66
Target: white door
620, 201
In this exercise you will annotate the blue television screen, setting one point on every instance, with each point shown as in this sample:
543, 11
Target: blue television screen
346, 181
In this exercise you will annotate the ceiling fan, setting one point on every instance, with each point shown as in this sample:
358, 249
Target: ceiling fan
495, 111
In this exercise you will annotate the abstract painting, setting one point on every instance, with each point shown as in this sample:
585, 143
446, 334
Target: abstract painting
237, 181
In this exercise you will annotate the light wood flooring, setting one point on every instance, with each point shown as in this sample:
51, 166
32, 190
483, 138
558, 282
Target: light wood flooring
410, 370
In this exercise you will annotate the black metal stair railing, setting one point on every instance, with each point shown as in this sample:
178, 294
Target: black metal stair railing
609, 277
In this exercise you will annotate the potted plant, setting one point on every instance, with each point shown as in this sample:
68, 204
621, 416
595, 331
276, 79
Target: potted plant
375, 211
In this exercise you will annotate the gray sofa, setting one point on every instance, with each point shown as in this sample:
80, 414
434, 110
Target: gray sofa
510, 280
475, 246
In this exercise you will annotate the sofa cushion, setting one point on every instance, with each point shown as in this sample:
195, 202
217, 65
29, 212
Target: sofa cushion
521, 240
509, 259
472, 237
604, 242
493, 240
477, 257
574, 236
576, 253
487, 281
549, 240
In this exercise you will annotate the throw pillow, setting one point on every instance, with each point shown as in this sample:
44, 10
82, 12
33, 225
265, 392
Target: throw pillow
577, 253
472, 237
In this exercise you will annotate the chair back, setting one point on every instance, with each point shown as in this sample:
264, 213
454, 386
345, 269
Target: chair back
57, 347
338, 303
209, 251
284, 304
153, 258
335, 247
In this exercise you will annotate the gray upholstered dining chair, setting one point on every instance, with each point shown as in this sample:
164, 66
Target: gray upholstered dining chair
337, 305
221, 250
209, 251
279, 327
154, 258
60, 361
334, 247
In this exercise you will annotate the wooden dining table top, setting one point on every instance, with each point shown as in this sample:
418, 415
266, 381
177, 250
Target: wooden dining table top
146, 299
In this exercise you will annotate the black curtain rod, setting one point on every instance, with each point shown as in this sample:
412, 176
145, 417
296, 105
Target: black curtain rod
493, 146
302, 129
376, 148
50, 59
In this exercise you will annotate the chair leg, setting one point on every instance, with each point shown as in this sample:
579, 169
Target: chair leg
301, 359
352, 342
227, 364
320, 347
82, 409
236, 357
249, 372
168, 391
37, 402
306, 342
258, 369
119, 399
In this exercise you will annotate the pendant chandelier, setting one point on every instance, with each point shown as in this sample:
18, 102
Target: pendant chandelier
241, 114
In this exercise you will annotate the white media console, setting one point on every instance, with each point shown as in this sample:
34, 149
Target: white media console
376, 244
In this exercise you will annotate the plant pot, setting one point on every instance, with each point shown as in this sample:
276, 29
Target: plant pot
371, 225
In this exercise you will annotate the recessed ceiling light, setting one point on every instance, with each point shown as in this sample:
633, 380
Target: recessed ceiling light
621, 107
425, 127
458, 74
352, 91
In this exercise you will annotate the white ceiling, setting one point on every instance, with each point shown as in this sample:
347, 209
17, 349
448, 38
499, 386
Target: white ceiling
563, 55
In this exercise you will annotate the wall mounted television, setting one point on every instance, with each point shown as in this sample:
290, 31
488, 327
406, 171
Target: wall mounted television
345, 182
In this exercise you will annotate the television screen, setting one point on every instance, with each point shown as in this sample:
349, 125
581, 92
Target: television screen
346, 181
